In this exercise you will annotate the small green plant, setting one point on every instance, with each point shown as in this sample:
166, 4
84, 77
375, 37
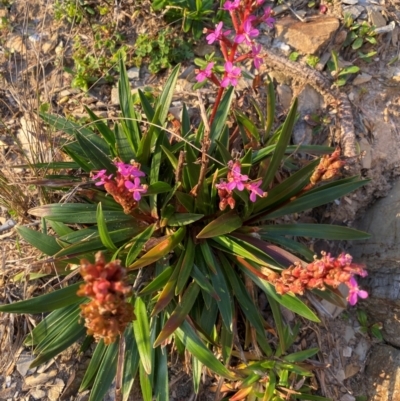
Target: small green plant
74, 11
294, 56
341, 74
192, 14
162, 50
358, 34
312, 61
372, 329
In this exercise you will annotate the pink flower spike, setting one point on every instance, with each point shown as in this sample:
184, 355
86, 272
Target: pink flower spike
255, 53
259, 2
355, 292
232, 75
231, 5
136, 187
129, 170
254, 188
267, 17
248, 32
206, 73
102, 176
217, 34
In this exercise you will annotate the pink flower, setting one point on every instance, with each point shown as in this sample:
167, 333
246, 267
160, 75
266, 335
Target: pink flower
231, 5
248, 32
259, 2
254, 189
267, 17
136, 187
355, 292
345, 259
206, 73
102, 176
231, 75
217, 34
129, 170
257, 59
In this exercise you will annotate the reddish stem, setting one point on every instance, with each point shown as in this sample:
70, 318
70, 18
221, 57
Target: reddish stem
216, 104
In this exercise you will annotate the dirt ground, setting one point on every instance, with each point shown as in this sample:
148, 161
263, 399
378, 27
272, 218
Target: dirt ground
36, 57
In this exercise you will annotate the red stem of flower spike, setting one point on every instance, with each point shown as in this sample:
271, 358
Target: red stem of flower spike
216, 104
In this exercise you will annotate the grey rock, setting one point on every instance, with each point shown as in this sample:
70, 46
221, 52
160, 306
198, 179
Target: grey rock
285, 95
362, 79
188, 73
362, 349
350, 2
37, 379
133, 73
376, 18
24, 360
203, 50
383, 374
349, 333
354, 11
347, 397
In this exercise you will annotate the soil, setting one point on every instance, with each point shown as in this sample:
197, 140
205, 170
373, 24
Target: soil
35, 54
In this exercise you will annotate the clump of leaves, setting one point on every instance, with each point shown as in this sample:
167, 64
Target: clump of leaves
100, 59
162, 50
195, 269
192, 14
312, 61
74, 11
341, 74
367, 328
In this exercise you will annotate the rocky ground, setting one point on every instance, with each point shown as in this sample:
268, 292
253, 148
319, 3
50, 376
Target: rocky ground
36, 55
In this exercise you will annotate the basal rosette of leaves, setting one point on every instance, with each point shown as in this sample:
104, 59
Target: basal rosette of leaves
188, 237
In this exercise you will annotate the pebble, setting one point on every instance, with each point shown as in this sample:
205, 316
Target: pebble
350, 2
347, 397
347, 351
38, 394
376, 18
23, 364
37, 379
56, 389
133, 73
362, 79
354, 11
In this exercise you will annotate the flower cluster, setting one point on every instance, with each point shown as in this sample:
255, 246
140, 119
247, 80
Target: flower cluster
107, 314
319, 273
126, 187
244, 22
239, 181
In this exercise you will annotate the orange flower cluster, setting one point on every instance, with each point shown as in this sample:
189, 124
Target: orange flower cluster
325, 271
107, 314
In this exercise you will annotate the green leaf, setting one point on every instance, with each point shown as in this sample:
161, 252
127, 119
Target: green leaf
45, 303
349, 70
160, 250
281, 146
179, 314
218, 125
309, 201
185, 265
131, 128
131, 363
161, 388
247, 124
103, 231
276, 312
123, 147
157, 188
45, 243
138, 244
357, 43
270, 107
196, 347
106, 373
104, 130
324, 231
93, 367
301, 355
145, 384
79, 213
141, 330
144, 150
157, 283
183, 219
224, 224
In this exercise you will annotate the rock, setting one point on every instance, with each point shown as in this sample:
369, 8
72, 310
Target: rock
347, 351
285, 95
24, 360
203, 50
383, 374
114, 96
351, 370
37, 379
281, 46
50, 45
307, 37
188, 73
350, 2
347, 397
376, 18
354, 11
56, 389
133, 73
349, 333
37, 394
362, 349
366, 150
362, 79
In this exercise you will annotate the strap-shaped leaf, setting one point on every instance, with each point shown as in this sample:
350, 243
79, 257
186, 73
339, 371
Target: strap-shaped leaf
224, 224
103, 128
160, 250
324, 231
218, 125
45, 243
94, 364
281, 146
123, 147
141, 331
45, 303
138, 244
324, 196
185, 265
270, 107
106, 373
79, 213
161, 388
301, 355
157, 283
103, 230
131, 363
179, 314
